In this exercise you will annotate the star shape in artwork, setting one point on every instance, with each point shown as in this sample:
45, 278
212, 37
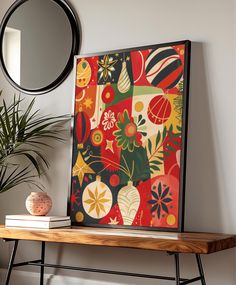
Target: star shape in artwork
96, 201
113, 221
88, 103
110, 146
106, 66
81, 168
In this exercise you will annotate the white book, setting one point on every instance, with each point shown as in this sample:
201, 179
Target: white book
37, 218
37, 224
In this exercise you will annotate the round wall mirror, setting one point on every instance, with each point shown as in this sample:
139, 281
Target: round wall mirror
39, 39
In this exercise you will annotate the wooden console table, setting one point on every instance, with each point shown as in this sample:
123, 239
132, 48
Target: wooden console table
172, 243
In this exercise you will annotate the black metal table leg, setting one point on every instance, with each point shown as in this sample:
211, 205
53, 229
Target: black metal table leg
200, 268
42, 261
177, 270
11, 262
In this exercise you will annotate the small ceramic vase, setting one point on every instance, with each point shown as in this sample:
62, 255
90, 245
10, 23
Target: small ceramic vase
38, 203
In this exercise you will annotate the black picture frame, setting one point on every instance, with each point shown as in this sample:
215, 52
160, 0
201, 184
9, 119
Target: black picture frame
182, 177
75, 46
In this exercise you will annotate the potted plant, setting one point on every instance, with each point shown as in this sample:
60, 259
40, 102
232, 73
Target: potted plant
23, 136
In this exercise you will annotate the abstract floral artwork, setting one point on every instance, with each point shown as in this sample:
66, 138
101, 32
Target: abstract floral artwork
129, 142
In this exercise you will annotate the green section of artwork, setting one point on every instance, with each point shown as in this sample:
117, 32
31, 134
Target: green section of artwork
119, 96
135, 165
165, 142
147, 90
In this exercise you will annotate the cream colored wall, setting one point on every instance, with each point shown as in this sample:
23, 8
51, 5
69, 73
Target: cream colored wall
210, 193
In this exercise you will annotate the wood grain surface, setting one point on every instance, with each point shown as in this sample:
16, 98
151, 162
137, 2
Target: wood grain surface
161, 241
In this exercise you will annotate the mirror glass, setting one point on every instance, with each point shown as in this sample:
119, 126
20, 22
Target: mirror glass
38, 44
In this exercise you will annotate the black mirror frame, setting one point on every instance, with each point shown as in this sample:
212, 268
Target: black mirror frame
76, 40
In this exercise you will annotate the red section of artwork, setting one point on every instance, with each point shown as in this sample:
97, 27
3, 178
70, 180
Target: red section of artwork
113, 218
110, 152
75, 196
83, 127
138, 59
174, 90
168, 203
181, 51
85, 100
172, 161
144, 217
108, 94
114, 180
170, 78
159, 109
88, 73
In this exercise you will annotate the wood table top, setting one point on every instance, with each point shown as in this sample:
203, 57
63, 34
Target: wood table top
187, 242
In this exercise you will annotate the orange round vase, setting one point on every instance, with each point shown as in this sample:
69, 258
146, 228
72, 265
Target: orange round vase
38, 203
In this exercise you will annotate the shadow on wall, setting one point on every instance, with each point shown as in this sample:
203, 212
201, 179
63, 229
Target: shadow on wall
203, 211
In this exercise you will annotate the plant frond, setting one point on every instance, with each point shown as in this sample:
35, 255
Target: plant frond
25, 134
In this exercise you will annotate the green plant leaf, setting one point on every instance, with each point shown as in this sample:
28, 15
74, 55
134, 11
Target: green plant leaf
154, 167
179, 128
158, 137
170, 148
155, 162
160, 158
25, 134
164, 133
149, 146
166, 153
175, 142
34, 162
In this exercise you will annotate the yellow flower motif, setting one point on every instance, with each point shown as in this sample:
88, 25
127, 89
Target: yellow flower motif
96, 201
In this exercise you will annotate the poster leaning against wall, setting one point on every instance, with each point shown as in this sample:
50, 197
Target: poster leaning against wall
129, 141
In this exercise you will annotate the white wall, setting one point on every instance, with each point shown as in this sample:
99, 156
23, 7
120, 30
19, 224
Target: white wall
211, 195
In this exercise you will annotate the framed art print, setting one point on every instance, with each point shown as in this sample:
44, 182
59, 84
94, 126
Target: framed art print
129, 138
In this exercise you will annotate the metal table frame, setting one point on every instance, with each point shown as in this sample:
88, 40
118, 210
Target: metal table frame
41, 263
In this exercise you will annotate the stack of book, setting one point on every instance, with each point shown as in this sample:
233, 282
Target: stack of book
37, 222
